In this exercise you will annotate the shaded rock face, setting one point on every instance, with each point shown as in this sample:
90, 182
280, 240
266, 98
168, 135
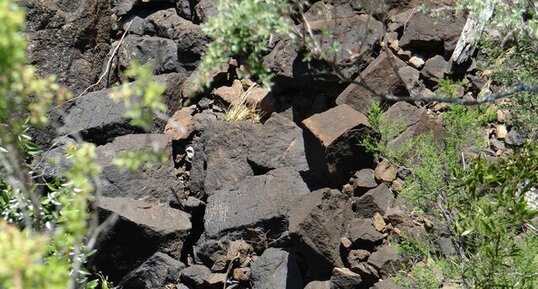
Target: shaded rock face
227, 153
140, 230
433, 34
276, 268
155, 272
316, 226
334, 140
262, 201
155, 183
68, 39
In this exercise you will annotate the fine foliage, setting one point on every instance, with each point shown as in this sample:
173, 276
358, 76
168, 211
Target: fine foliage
243, 29
44, 233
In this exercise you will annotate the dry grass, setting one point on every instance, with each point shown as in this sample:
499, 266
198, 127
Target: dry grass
241, 110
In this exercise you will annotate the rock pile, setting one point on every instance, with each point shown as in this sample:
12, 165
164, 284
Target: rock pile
293, 202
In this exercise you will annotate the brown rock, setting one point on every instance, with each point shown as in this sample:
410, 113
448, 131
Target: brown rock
229, 94
262, 100
356, 256
379, 222
216, 279
411, 122
385, 171
343, 278
333, 137
180, 126
368, 273
240, 251
380, 77
221, 264
397, 185
242, 274
396, 216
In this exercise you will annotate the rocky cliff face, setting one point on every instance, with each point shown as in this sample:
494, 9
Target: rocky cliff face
293, 202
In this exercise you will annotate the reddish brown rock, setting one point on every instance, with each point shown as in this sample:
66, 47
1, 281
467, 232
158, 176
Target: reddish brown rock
180, 126
334, 138
379, 78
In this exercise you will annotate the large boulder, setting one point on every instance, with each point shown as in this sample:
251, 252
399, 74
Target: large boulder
227, 153
99, 119
161, 52
276, 269
333, 140
140, 230
262, 201
358, 34
152, 182
409, 123
190, 39
432, 33
316, 225
380, 78
69, 39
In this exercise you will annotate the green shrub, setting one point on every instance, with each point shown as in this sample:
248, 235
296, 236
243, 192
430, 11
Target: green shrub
243, 29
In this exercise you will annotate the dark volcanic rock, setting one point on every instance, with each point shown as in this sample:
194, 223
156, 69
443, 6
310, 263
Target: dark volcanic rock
379, 78
153, 182
276, 268
153, 273
363, 233
434, 34
69, 39
334, 143
227, 153
376, 200
435, 67
190, 39
363, 180
99, 119
316, 226
263, 201
141, 230
162, 53
386, 259
205, 9
195, 275
358, 34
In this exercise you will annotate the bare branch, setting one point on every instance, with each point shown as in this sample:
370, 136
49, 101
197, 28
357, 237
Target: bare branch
108, 65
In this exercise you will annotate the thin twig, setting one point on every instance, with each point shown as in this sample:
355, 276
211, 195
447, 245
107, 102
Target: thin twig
108, 65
